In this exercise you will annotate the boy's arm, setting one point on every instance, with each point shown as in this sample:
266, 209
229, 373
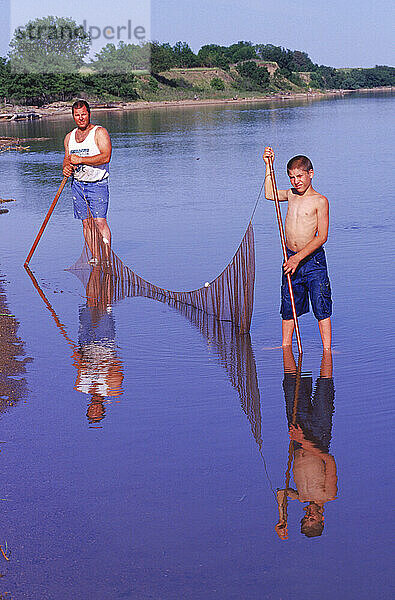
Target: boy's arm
318, 240
330, 477
103, 142
269, 193
281, 526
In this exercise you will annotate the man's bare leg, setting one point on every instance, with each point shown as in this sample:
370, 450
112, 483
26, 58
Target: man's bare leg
89, 238
326, 333
105, 233
288, 329
104, 230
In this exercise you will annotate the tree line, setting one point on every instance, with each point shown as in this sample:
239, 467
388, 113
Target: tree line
55, 69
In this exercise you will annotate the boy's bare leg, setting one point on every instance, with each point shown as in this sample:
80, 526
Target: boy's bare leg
326, 364
288, 329
326, 332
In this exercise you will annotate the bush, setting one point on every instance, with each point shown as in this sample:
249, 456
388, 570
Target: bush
217, 84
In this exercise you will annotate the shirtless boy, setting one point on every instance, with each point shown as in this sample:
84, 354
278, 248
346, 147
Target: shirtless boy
306, 230
87, 156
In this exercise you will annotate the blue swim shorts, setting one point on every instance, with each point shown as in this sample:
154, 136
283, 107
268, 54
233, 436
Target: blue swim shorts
94, 194
310, 280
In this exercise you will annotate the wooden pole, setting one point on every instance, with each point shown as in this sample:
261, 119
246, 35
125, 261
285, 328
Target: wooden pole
284, 248
43, 226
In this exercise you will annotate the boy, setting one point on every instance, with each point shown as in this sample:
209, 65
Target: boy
306, 230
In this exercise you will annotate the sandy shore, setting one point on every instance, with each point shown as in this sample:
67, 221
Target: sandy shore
62, 108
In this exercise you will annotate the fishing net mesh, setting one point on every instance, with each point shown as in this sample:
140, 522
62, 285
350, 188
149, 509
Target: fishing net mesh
233, 350
230, 297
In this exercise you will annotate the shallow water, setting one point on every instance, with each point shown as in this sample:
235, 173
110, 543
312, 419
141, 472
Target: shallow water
165, 489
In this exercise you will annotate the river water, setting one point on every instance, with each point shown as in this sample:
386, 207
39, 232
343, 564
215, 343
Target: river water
147, 468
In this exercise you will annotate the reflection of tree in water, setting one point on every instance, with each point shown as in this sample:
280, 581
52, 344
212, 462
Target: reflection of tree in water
12, 386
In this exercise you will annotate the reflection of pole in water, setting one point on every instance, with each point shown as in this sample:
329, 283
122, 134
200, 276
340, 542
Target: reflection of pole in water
283, 511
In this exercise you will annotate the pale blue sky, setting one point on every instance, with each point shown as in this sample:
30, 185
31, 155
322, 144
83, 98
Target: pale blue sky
340, 33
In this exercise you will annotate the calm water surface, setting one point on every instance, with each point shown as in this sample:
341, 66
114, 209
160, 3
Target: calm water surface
140, 457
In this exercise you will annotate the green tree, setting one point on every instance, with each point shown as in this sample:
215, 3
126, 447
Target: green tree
253, 76
241, 51
184, 56
162, 57
49, 45
124, 59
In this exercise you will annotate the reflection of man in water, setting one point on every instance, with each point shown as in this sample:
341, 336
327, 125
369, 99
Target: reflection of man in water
310, 429
99, 368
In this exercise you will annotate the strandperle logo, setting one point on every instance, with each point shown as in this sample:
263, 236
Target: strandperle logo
129, 31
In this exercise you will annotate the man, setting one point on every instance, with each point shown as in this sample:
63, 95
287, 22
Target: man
87, 156
306, 230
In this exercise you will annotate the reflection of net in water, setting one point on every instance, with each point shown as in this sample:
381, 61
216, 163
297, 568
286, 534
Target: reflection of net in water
229, 297
235, 352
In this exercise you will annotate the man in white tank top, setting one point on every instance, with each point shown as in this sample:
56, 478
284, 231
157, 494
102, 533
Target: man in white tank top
87, 156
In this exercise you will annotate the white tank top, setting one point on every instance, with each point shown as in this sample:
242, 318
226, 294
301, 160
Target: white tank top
87, 148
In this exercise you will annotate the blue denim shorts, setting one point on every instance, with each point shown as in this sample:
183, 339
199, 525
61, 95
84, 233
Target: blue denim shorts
94, 194
310, 281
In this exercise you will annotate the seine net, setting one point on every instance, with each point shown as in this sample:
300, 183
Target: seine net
233, 350
230, 297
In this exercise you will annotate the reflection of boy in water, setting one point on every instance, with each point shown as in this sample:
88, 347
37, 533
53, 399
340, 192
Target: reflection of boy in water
314, 469
99, 368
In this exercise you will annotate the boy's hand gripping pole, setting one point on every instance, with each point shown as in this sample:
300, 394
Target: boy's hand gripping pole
43, 226
282, 237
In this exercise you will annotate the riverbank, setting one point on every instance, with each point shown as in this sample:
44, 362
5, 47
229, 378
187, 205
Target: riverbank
61, 108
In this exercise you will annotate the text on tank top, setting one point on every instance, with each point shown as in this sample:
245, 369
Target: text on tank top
88, 147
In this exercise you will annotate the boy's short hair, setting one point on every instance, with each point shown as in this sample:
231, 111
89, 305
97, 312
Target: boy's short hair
80, 104
312, 529
300, 162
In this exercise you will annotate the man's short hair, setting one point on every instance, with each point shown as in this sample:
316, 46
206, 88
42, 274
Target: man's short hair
300, 162
80, 104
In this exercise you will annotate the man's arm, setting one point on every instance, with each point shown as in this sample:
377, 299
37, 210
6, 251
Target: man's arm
320, 238
103, 142
67, 166
269, 193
